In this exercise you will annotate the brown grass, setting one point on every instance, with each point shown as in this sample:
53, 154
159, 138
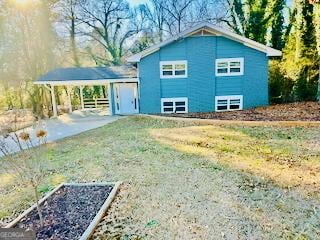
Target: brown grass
185, 181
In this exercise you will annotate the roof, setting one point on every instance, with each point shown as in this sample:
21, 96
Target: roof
218, 31
88, 73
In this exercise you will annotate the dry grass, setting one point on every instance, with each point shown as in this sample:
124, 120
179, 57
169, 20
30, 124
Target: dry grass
184, 181
287, 159
17, 119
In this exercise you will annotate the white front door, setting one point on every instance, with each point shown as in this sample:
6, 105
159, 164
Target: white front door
126, 98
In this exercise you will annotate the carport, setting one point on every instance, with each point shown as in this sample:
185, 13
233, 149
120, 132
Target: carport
121, 85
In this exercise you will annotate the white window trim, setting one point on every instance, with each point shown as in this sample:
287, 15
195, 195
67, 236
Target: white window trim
228, 98
174, 106
173, 63
228, 60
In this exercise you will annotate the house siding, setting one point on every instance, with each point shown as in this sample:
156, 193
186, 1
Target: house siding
201, 85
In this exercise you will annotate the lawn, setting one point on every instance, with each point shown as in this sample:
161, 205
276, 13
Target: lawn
183, 180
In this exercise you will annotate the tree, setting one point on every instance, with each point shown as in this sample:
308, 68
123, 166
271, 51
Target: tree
109, 23
68, 9
28, 51
157, 16
31, 168
316, 4
300, 58
177, 14
249, 18
277, 24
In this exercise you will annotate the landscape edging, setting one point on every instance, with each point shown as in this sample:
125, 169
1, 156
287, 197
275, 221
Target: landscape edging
95, 221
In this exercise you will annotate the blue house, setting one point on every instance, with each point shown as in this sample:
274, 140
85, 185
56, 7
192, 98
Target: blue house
203, 69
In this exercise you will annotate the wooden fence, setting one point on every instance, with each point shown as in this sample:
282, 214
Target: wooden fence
95, 103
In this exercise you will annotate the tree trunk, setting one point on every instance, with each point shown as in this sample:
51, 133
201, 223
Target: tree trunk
73, 39
36, 194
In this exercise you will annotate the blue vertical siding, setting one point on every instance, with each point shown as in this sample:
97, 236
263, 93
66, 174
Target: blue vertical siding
201, 86
150, 90
255, 86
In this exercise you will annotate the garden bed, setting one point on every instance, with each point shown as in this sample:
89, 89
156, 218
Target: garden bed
71, 211
303, 111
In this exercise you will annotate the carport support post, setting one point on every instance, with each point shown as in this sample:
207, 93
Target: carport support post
110, 99
69, 98
81, 97
54, 103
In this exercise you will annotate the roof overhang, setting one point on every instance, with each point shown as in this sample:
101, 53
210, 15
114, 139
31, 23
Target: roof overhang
218, 31
90, 82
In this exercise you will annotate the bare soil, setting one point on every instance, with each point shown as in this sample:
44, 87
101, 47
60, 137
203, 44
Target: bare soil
301, 111
67, 213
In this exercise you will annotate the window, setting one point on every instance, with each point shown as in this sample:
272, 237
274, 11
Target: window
229, 67
173, 69
174, 105
229, 103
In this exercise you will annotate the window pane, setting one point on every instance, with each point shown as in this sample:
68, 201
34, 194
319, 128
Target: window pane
224, 107
235, 101
222, 102
234, 70
170, 104
236, 106
180, 109
222, 70
168, 109
180, 103
167, 67
167, 73
222, 64
180, 67
235, 64
180, 72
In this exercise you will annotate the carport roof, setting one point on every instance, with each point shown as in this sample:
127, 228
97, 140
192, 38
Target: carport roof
88, 75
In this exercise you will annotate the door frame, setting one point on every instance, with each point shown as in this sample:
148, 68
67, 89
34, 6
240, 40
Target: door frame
117, 99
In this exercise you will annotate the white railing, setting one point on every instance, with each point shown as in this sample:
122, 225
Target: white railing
95, 102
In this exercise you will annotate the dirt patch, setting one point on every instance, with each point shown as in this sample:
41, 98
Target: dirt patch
302, 111
67, 213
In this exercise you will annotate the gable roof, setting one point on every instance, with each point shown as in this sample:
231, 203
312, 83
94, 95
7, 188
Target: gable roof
218, 31
88, 73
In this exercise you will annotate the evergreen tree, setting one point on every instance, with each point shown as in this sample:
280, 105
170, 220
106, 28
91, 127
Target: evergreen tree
300, 55
277, 24
316, 21
250, 18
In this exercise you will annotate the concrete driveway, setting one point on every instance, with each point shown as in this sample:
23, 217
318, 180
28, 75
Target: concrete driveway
64, 126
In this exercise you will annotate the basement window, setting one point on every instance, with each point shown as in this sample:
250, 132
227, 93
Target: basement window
173, 69
174, 105
229, 103
229, 67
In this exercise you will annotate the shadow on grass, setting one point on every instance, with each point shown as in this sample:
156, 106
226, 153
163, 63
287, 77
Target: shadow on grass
242, 151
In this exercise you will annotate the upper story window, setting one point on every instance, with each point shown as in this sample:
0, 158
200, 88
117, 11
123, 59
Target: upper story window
229, 66
173, 69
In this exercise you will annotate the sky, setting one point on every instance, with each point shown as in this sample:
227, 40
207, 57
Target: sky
137, 2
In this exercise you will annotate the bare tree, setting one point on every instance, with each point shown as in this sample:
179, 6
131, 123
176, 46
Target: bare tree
30, 169
68, 18
157, 16
178, 13
109, 23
